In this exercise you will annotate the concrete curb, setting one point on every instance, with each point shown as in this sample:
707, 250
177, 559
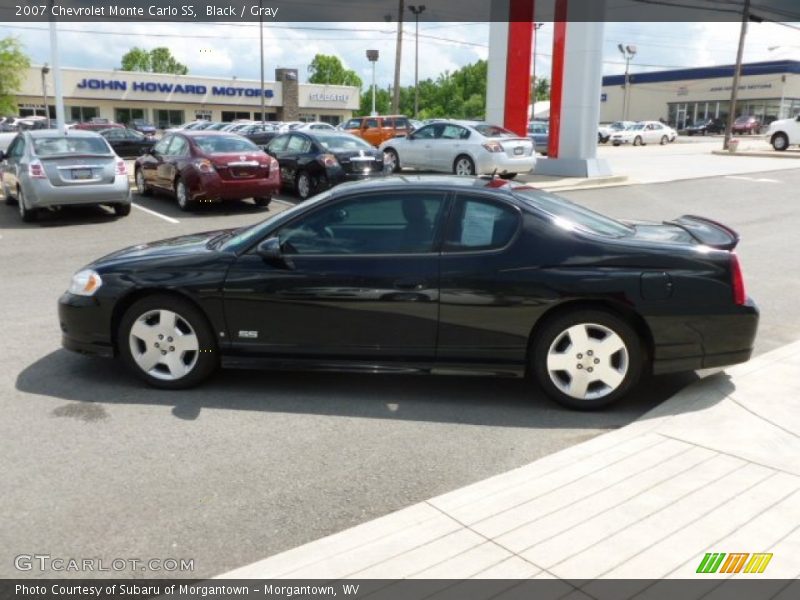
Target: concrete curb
759, 153
713, 469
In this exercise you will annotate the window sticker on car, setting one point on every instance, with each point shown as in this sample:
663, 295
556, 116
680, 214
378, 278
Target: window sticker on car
478, 224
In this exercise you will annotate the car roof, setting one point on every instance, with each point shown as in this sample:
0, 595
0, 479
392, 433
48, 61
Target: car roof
45, 133
444, 182
203, 132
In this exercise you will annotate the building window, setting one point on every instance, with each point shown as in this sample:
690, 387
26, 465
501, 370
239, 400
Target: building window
307, 117
330, 119
169, 118
271, 116
36, 110
126, 115
204, 115
83, 114
232, 115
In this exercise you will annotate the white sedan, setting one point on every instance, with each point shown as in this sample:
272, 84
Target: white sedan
645, 132
460, 147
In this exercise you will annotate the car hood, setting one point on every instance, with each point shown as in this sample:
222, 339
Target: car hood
185, 245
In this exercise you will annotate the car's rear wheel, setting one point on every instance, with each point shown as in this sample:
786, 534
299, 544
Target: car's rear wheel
122, 210
262, 201
780, 142
302, 185
586, 359
391, 162
28, 215
664, 140
637, 141
141, 186
182, 195
167, 342
463, 165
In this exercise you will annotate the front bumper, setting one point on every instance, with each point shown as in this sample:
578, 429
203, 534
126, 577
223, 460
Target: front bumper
41, 193
85, 325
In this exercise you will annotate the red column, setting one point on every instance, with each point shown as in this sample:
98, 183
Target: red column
518, 66
557, 77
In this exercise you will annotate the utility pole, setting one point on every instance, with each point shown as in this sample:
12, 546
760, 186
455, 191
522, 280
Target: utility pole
628, 52
59, 96
417, 10
45, 71
736, 74
398, 56
536, 28
261, 56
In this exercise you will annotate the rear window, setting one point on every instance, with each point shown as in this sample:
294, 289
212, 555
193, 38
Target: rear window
220, 144
53, 146
494, 131
343, 142
569, 215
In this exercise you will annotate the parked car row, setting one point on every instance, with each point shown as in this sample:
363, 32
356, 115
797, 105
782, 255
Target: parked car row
644, 132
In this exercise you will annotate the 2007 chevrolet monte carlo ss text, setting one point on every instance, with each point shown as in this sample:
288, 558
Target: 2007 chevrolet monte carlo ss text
425, 273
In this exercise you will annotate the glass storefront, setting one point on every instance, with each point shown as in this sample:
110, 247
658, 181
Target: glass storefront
169, 118
82, 114
126, 115
232, 115
683, 114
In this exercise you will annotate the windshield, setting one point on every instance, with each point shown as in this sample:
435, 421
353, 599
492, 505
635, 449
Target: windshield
53, 146
569, 215
220, 144
343, 142
494, 131
246, 236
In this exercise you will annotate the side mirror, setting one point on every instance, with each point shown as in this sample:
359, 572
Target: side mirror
270, 252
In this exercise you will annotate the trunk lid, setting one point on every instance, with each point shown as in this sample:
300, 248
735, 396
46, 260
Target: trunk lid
360, 161
240, 165
515, 147
75, 170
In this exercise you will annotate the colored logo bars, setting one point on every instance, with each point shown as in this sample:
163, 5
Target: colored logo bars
719, 562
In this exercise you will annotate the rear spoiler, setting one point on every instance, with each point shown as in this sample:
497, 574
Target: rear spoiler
707, 232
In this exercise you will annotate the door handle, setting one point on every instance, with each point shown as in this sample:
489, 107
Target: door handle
413, 285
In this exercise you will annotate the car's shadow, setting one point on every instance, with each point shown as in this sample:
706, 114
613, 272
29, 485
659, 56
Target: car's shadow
166, 205
90, 383
63, 217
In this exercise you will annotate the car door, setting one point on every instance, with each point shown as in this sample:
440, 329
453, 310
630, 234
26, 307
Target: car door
361, 281
418, 144
171, 165
371, 131
292, 158
479, 318
14, 153
149, 163
449, 142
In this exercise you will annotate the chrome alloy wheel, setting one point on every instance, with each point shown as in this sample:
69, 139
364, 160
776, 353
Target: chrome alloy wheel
303, 186
389, 161
182, 195
464, 166
140, 186
164, 345
587, 361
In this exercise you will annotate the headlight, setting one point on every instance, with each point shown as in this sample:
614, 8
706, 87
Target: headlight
85, 283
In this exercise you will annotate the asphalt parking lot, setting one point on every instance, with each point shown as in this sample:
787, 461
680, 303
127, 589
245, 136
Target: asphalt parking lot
98, 465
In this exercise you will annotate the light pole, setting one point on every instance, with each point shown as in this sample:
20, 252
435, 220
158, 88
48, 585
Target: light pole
737, 72
372, 56
45, 71
417, 10
261, 56
628, 52
536, 27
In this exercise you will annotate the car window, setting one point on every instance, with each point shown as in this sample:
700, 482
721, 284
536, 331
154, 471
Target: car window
221, 144
178, 147
353, 124
369, 123
394, 223
17, 148
299, 144
161, 146
401, 123
454, 132
52, 146
343, 142
114, 134
494, 131
478, 224
278, 144
425, 133
387, 122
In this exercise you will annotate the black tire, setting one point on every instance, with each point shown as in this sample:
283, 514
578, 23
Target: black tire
637, 141
465, 163
553, 329
262, 201
10, 200
395, 160
508, 175
185, 203
303, 185
122, 210
141, 187
664, 140
780, 142
28, 215
207, 358
616, 143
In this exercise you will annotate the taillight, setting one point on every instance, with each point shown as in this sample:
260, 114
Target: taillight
204, 165
36, 170
121, 169
737, 281
493, 146
329, 160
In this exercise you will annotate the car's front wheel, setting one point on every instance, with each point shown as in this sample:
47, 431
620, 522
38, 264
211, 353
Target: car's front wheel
780, 142
167, 341
586, 359
182, 195
664, 140
141, 186
262, 201
391, 162
637, 141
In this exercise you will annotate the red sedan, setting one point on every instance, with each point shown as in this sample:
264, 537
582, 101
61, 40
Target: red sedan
206, 166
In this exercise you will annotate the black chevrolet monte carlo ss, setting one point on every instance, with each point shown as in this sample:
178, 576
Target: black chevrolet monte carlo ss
433, 273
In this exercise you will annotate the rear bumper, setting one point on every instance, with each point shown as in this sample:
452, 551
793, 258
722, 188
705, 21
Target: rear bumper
705, 341
41, 193
213, 186
504, 163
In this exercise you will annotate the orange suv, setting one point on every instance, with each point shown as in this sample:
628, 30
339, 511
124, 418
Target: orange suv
377, 130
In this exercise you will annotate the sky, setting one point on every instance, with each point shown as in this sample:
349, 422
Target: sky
231, 49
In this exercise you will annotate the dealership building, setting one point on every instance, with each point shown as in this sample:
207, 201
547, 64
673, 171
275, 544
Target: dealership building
769, 90
169, 100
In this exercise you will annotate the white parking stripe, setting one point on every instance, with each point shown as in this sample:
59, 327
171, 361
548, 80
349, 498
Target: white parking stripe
756, 179
154, 213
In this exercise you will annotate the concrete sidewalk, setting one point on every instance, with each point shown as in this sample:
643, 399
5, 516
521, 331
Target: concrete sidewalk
714, 469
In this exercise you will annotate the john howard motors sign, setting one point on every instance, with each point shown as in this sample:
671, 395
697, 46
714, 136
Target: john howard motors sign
153, 87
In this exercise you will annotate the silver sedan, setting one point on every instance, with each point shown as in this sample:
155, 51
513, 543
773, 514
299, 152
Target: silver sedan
47, 169
461, 147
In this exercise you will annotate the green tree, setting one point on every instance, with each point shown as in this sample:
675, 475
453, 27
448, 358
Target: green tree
13, 63
157, 60
329, 69
540, 90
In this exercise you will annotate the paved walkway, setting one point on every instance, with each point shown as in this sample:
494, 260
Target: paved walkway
714, 469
